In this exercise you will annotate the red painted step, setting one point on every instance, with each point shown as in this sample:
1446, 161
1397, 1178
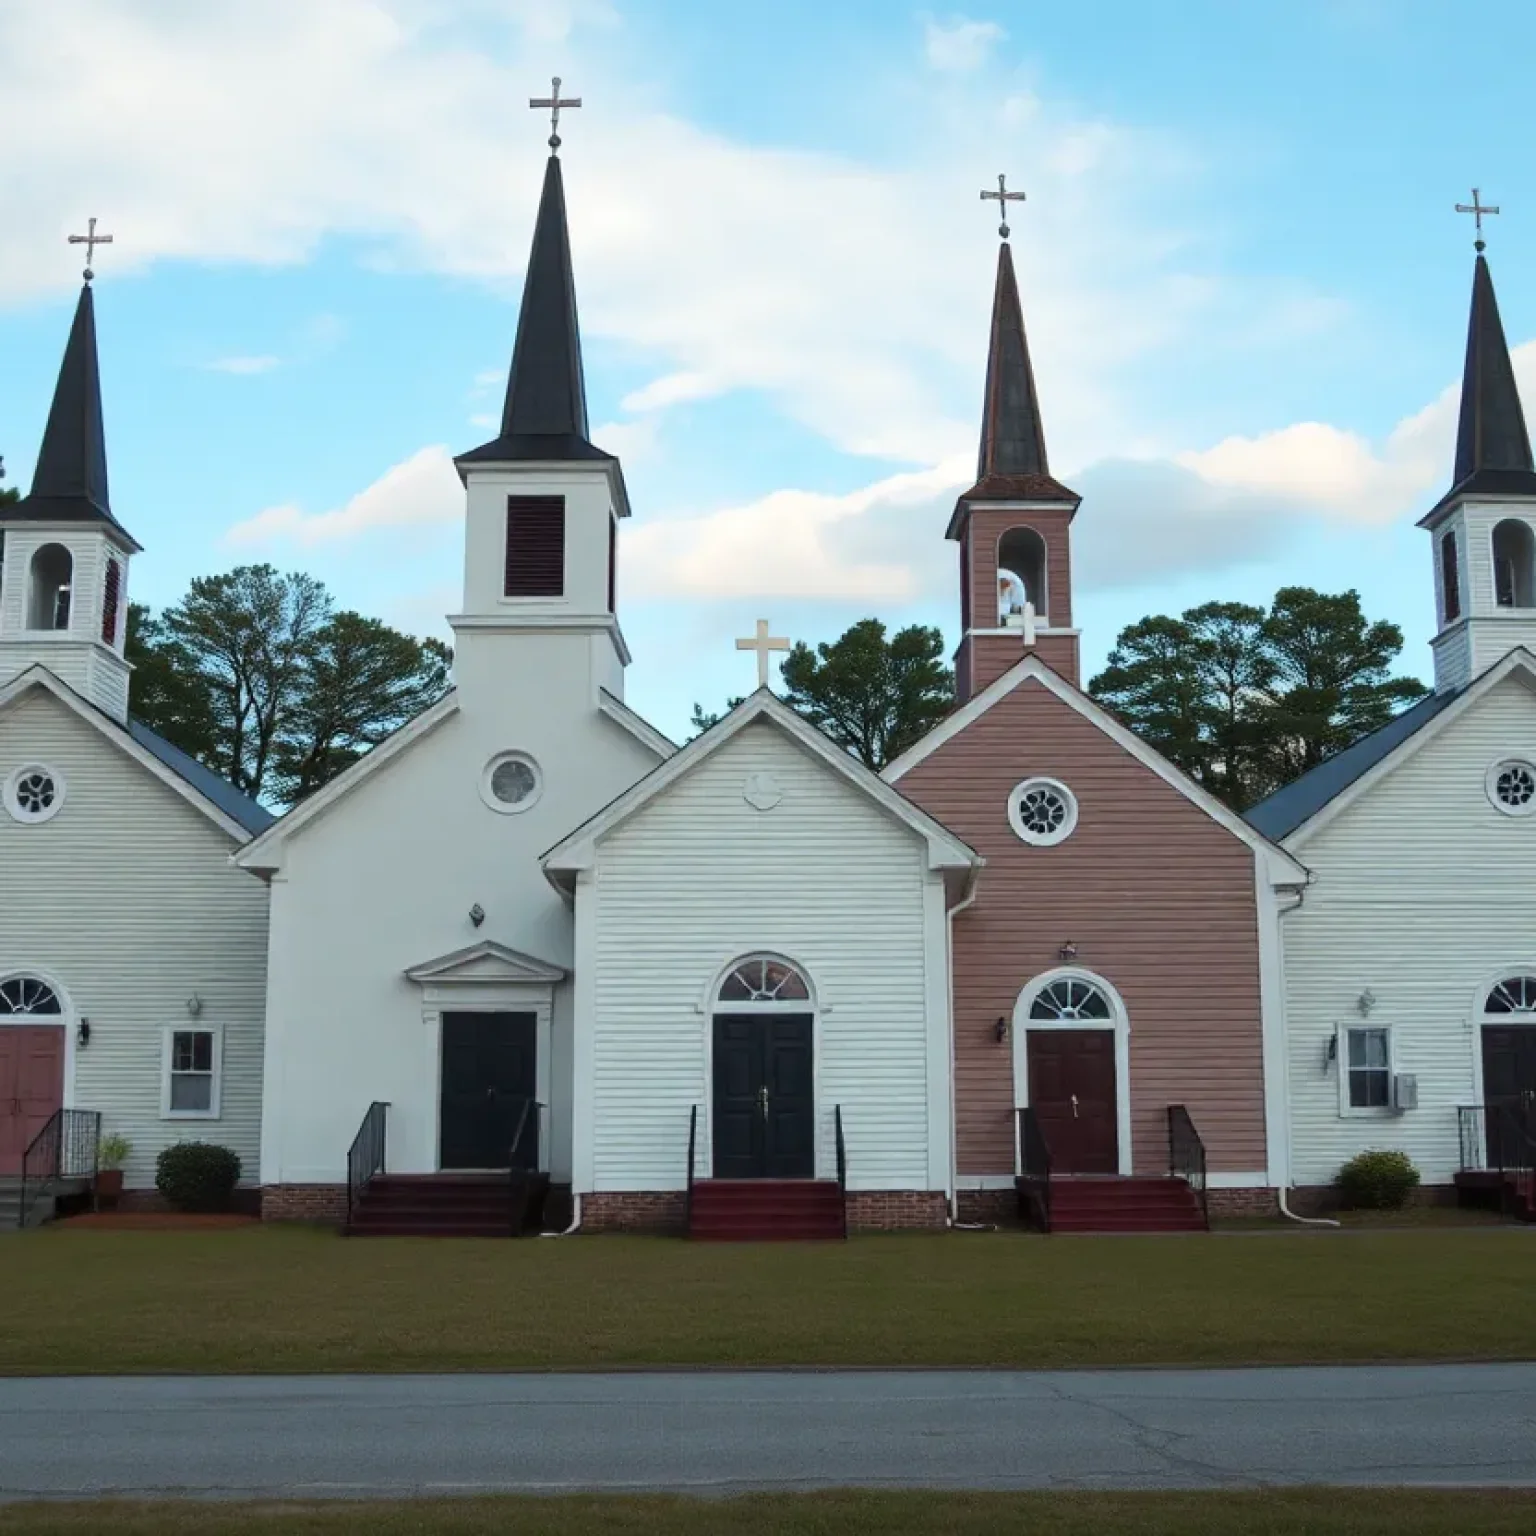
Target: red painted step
441, 1205
766, 1210
1124, 1205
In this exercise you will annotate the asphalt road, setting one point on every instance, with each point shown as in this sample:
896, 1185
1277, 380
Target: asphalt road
717, 1432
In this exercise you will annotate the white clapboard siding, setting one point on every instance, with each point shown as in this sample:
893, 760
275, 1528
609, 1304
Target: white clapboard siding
1421, 895
698, 877
127, 897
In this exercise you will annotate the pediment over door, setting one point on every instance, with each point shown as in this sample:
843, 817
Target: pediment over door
486, 963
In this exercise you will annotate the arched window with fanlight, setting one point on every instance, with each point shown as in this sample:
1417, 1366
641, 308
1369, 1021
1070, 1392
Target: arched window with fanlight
1514, 994
1071, 997
28, 997
1508, 1060
763, 979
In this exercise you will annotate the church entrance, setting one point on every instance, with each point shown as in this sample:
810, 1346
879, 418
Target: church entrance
1072, 1091
1509, 1080
31, 1087
489, 1071
764, 1102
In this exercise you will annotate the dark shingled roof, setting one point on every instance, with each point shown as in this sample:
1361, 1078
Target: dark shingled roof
545, 414
240, 808
1282, 812
69, 484
1493, 448
1011, 464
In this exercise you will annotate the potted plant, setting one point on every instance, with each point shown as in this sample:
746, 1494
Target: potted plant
111, 1153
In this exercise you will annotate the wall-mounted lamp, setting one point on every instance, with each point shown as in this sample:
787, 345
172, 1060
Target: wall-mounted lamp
477, 914
194, 1006
1068, 952
1365, 1002
1330, 1052
83, 1033
1000, 1029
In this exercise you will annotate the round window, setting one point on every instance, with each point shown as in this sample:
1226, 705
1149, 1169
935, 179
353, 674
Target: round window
1512, 786
1042, 811
511, 782
34, 793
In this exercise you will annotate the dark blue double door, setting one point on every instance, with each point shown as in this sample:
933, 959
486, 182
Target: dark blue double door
764, 1099
490, 1074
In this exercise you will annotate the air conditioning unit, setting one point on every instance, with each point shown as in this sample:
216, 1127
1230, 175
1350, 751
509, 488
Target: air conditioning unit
1405, 1091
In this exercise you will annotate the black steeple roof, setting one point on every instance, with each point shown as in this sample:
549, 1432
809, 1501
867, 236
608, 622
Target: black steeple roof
1011, 464
1493, 448
69, 483
545, 415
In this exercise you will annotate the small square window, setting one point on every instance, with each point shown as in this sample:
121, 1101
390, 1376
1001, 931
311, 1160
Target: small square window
191, 1073
1370, 1069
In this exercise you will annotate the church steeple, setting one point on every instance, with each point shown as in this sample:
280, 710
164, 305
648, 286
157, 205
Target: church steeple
545, 412
1484, 527
69, 483
543, 501
64, 580
1013, 525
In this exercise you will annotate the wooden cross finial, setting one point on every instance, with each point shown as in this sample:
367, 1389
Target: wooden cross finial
1002, 197
90, 240
554, 101
763, 643
1477, 208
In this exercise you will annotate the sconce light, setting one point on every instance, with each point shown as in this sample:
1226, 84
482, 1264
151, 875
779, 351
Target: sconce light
1365, 1002
194, 1006
83, 1033
1068, 952
477, 914
1330, 1052
1000, 1029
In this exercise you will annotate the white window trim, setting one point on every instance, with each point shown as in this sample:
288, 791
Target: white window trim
1490, 783
501, 807
1348, 1111
216, 1091
13, 784
1035, 840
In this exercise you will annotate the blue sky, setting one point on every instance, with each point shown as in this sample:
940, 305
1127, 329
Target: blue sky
1243, 279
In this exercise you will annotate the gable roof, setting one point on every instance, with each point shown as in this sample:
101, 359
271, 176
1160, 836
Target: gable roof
264, 852
1283, 868
485, 961
640, 728
235, 813
574, 852
1382, 751
1279, 814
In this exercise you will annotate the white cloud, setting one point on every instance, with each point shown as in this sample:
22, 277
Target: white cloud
244, 365
958, 45
424, 489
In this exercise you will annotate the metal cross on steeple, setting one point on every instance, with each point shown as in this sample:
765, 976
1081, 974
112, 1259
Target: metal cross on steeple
554, 102
90, 240
1477, 208
1002, 197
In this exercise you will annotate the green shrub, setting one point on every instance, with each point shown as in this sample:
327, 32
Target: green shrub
197, 1176
1377, 1181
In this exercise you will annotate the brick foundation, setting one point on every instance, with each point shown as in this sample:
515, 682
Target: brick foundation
1241, 1202
997, 1207
244, 1201
325, 1203
894, 1210
635, 1211
1323, 1199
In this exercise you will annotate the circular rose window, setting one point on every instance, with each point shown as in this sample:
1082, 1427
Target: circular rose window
1511, 786
1042, 811
34, 793
511, 782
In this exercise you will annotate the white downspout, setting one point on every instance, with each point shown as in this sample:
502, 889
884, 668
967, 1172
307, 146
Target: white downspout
952, 1220
575, 1225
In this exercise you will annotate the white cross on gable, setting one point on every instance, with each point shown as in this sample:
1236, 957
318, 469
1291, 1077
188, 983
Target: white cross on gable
763, 643
1025, 620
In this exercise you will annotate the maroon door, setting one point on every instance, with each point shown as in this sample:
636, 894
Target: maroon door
1509, 1083
1072, 1091
31, 1087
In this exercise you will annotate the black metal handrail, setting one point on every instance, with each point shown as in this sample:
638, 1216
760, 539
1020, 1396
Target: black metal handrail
519, 1174
842, 1163
1186, 1157
365, 1157
693, 1142
1470, 1130
1500, 1139
65, 1148
1034, 1170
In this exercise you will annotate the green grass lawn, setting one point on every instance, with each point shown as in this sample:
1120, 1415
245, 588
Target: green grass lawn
290, 1299
1328, 1512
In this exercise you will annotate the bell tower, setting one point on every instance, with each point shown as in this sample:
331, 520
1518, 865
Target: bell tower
1483, 530
1013, 526
63, 555
543, 502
